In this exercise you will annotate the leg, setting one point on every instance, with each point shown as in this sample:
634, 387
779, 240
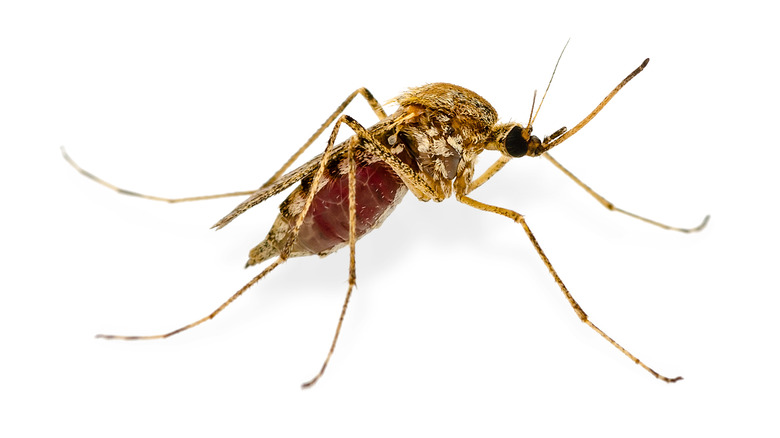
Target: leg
417, 183
122, 191
492, 170
352, 274
610, 206
566, 134
219, 309
367, 141
577, 309
362, 91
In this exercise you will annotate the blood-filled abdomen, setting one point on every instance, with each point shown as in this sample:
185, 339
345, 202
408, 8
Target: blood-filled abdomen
325, 227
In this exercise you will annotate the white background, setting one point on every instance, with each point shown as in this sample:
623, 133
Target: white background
456, 327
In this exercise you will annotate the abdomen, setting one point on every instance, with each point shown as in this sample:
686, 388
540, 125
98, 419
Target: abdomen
325, 227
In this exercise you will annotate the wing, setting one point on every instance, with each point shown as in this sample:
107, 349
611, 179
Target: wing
277, 186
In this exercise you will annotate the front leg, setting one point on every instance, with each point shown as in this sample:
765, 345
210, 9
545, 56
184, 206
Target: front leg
612, 207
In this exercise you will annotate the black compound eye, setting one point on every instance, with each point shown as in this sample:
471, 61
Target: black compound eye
514, 143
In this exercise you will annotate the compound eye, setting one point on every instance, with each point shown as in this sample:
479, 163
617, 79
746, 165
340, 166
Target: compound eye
514, 143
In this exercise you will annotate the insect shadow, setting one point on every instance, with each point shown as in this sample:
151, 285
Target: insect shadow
429, 147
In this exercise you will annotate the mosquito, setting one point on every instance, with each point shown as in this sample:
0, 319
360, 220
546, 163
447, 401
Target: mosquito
429, 147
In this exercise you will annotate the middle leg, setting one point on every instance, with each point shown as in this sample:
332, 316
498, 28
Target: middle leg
366, 140
517, 217
352, 280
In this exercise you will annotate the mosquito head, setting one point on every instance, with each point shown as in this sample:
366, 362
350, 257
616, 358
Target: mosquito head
514, 140
518, 141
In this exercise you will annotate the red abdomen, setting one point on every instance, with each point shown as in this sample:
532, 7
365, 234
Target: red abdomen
326, 225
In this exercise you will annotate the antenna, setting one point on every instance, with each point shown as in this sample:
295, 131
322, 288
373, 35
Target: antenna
548, 84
